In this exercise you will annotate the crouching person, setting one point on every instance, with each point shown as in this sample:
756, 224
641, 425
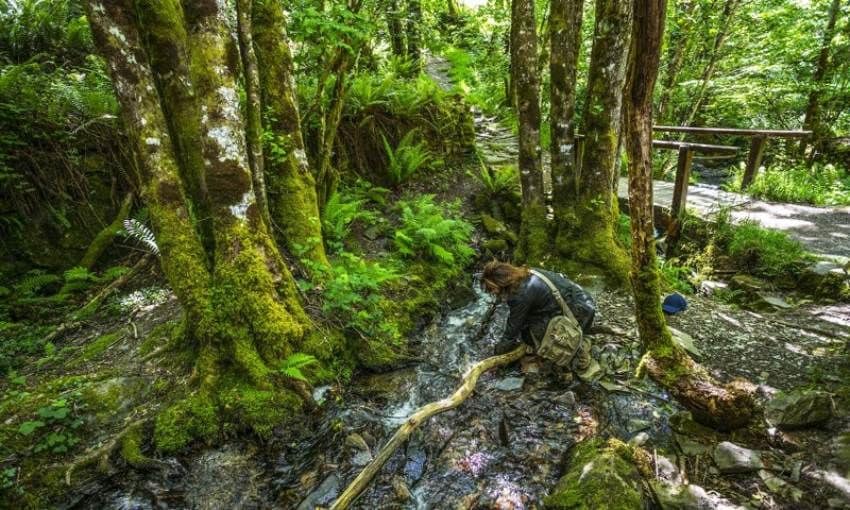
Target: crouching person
548, 312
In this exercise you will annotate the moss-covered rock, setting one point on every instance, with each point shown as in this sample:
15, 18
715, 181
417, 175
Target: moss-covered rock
600, 477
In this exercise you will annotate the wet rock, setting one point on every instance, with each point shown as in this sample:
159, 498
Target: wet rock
361, 458
356, 441
415, 465
223, 478
799, 408
402, 493
689, 497
709, 287
747, 283
497, 229
495, 245
779, 486
597, 476
731, 458
323, 495
685, 341
509, 383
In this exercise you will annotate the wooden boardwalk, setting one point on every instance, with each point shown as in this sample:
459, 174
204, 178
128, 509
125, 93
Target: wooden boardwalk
822, 230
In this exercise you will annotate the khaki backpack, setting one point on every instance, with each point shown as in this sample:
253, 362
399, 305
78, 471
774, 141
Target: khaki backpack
563, 337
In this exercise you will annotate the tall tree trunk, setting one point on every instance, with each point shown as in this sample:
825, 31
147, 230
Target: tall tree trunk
565, 43
243, 316
394, 28
533, 235
414, 34
253, 106
293, 202
724, 26
812, 120
677, 47
586, 224
720, 407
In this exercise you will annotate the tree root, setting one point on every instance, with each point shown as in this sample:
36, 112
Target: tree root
417, 418
721, 407
101, 454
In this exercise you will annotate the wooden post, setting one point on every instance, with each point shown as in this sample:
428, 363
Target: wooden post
680, 197
683, 174
754, 160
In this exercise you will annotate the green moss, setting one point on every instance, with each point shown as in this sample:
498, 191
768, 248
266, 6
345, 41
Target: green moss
194, 417
599, 478
131, 447
97, 346
534, 245
259, 411
588, 236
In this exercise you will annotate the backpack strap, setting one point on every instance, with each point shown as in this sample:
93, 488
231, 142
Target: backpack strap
555, 292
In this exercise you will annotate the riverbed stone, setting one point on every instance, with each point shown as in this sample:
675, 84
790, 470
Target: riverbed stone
598, 477
731, 458
674, 496
509, 383
799, 408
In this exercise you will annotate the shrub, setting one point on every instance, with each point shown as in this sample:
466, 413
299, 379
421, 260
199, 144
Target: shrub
407, 158
817, 185
426, 232
765, 252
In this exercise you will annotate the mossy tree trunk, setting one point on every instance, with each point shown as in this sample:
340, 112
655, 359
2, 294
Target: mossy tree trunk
414, 32
565, 42
293, 202
812, 120
714, 405
586, 220
394, 28
678, 44
243, 316
533, 233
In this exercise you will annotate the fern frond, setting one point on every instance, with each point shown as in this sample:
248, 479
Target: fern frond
135, 229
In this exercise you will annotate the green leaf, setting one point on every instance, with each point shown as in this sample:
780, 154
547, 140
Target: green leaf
28, 427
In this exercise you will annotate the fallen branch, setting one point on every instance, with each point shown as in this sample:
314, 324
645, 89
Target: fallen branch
421, 415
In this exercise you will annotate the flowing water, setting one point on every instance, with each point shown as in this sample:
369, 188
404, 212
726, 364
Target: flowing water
502, 448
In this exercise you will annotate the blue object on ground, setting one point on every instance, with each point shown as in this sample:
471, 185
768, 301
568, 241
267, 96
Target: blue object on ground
674, 303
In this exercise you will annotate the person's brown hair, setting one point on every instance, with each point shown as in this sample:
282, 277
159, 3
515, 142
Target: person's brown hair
502, 279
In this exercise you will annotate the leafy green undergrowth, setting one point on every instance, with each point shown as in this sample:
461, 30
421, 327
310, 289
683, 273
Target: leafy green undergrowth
389, 261
479, 77
817, 185
30, 306
394, 125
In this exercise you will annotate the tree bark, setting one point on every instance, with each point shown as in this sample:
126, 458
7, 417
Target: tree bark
242, 310
711, 404
677, 47
394, 28
293, 202
565, 43
586, 224
723, 28
812, 119
533, 235
253, 106
414, 35
104, 238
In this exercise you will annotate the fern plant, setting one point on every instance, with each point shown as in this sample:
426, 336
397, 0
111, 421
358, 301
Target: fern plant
135, 229
498, 182
407, 158
426, 232
291, 367
341, 211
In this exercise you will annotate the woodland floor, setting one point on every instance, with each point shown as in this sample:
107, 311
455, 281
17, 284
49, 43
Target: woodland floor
507, 444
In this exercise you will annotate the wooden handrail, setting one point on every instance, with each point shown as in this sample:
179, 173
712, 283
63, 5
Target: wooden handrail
701, 147
771, 133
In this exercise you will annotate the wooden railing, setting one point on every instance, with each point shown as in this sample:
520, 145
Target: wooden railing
757, 144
